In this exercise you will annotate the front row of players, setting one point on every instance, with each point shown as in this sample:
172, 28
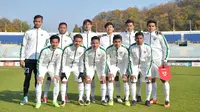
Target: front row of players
106, 64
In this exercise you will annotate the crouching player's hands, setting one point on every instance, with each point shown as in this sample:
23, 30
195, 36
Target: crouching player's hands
148, 78
124, 78
57, 77
39, 80
132, 78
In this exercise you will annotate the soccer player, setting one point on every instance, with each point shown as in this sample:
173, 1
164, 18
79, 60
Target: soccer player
117, 60
49, 62
95, 63
128, 36
160, 50
70, 64
87, 35
34, 41
106, 41
65, 40
141, 61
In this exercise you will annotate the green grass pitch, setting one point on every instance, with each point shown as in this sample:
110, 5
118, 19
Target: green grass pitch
184, 94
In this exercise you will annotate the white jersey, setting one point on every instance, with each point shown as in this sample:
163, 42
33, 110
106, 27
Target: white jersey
65, 40
141, 59
95, 59
118, 57
128, 38
33, 42
87, 38
50, 59
159, 45
106, 40
72, 57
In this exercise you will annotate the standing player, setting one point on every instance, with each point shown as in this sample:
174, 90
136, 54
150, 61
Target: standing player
160, 52
106, 41
117, 59
87, 35
49, 62
33, 42
71, 64
95, 63
65, 40
141, 62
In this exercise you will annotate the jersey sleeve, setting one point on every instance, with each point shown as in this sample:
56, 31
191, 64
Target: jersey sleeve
58, 64
81, 63
165, 47
126, 61
149, 61
133, 68
104, 62
24, 43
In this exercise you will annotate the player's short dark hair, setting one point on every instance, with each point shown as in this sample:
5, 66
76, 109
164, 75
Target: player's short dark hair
87, 21
151, 21
38, 16
78, 36
95, 38
62, 23
129, 21
54, 37
117, 37
138, 34
107, 24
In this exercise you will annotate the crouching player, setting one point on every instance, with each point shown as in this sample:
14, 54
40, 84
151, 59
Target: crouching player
70, 64
117, 60
95, 63
141, 62
49, 62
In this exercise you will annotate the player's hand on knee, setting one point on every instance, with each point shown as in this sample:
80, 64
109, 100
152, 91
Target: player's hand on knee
164, 64
103, 80
132, 78
111, 78
39, 80
148, 78
87, 79
57, 78
81, 75
124, 78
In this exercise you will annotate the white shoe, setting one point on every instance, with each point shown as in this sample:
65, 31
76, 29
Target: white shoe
119, 100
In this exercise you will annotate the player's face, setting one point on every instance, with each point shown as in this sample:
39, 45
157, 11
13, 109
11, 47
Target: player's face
77, 42
130, 27
139, 40
87, 26
62, 29
37, 22
95, 44
151, 27
117, 43
109, 29
54, 43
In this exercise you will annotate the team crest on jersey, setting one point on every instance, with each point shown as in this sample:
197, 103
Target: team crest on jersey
120, 53
56, 54
145, 52
41, 34
99, 55
154, 38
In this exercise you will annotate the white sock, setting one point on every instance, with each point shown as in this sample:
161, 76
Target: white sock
166, 90
103, 91
154, 90
87, 91
110, 90
93, 84
55, 90
38, 92
46, 87
63, 91
133, 90
117, 85
126, 91
139, 86
66, 88
81, 90
148, 91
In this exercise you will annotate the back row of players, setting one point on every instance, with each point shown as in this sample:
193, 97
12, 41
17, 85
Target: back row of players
131, 55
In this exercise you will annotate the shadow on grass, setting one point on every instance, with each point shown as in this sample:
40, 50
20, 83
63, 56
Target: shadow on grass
16, 96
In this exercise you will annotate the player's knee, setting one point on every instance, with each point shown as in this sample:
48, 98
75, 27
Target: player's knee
163, 81
124, 79
87, 80
110, 78
64, 82
117, 78
103, 80
132, 79
153, 80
